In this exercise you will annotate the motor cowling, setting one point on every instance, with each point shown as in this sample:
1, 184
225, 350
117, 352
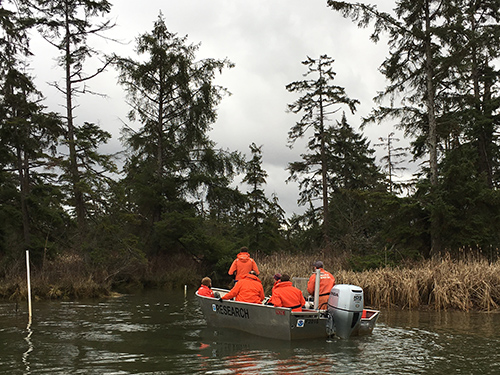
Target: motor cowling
345, 305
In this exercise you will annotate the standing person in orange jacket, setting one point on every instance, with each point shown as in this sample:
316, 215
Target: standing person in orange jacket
326, 283
286, 295
242, 265
248, 289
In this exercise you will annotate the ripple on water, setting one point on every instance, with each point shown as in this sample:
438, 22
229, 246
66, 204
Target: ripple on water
145, 334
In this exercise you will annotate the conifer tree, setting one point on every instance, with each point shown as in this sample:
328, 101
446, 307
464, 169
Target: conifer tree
352, 176
320, 99
472, 39
256, 177
28, 135
67, 25
414, 68
173, 169
391, 162
441, 54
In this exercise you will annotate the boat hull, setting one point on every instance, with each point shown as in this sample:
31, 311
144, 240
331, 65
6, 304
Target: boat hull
274, 322
263, 320
367, 323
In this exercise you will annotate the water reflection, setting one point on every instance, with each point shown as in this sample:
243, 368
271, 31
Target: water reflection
447, 322
403, 343
30, 348
165, 333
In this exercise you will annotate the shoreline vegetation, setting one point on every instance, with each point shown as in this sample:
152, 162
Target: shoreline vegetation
471, 284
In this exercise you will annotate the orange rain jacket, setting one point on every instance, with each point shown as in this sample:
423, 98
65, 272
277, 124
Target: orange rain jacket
248, 289
326, 283
286, 295
275, 284
242, 265
204, 290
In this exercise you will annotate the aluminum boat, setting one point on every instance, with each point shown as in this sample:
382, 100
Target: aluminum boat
344, 317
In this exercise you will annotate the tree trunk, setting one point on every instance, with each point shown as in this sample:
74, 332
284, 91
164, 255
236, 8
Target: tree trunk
324, 171
73, 168
484, 133
432, 139
23, 173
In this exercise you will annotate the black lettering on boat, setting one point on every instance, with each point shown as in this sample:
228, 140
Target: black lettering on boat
239, 312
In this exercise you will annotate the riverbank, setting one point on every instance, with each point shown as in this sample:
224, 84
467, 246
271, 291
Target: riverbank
465, 285
69, 277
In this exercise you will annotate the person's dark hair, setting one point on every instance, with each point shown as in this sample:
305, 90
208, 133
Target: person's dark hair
285, 277
318, 264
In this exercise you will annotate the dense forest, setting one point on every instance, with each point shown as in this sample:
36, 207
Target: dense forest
172, 202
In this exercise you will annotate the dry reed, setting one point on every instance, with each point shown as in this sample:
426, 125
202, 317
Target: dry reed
470, 284
465, 284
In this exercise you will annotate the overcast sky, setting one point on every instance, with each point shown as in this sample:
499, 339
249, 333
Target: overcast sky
266, 40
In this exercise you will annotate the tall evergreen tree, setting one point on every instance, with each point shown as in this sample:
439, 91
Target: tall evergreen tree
352, 176
473, 40
256, 178
452, 47
415, 68
320, 99
351, 161
173, 168
273, 227
67, 25
392, 160
28, 136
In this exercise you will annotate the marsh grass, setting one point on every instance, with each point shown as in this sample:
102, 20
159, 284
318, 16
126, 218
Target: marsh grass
467, 284
71, 277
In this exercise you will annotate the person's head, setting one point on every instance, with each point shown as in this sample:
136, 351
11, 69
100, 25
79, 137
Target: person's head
206, 281
318, 264
244, 249
277, 276
285, 277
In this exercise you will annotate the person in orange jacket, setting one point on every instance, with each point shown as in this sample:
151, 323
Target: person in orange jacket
277, 280
286, 295
248, 289
205, 288
326, 283
242, 265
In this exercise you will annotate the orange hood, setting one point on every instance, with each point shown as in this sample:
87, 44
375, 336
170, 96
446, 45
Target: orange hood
243, 256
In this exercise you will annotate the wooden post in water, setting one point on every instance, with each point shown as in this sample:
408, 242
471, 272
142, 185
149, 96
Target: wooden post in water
29, 285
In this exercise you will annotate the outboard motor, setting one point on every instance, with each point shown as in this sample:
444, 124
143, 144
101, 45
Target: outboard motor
345, 306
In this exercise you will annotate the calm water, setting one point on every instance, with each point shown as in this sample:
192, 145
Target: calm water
164, 333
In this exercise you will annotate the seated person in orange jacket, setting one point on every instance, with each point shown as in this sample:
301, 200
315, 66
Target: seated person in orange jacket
286, 295
277, 280
326, 283
247, 289
242, 265
206, 288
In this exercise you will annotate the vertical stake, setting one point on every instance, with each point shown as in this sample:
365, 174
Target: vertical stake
29, 284
316, 289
